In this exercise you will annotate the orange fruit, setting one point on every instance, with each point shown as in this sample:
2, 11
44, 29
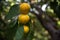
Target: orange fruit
23, 18
24, 8
26, 29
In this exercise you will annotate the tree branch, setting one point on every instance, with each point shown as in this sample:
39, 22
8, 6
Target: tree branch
47, 23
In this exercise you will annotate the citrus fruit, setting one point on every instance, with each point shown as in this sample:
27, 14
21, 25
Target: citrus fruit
26, 29
24, 8
23, 18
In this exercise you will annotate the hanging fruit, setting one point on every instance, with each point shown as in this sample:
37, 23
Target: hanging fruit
24, 8
26, 29
23, 18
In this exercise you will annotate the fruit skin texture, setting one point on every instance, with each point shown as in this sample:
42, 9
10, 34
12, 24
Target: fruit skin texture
23, 18
24, 8
26, 29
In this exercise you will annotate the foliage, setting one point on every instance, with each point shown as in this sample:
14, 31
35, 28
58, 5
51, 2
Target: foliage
15, 31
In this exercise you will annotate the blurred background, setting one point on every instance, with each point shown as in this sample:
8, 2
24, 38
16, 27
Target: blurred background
39, 31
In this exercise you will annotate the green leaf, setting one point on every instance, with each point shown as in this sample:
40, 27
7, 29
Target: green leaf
19, 33
10, 32
14, 11
12, 23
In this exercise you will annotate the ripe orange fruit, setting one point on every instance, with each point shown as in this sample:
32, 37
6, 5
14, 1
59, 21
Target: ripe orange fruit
23, 18
26, 29
24, 8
